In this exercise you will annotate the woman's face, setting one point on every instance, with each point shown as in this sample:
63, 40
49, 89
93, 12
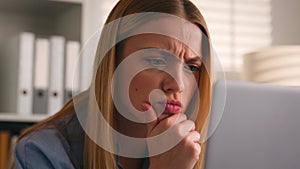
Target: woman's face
162, 63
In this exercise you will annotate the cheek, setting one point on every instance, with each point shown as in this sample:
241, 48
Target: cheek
186, 98
137, 85
190, 90
141, 86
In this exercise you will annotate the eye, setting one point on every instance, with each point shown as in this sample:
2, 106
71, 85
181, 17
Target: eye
156, 61
192, 68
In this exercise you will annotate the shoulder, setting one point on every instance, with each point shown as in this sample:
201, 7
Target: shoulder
43, 148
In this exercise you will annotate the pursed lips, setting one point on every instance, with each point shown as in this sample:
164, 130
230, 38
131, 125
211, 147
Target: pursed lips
169, 107
172, 106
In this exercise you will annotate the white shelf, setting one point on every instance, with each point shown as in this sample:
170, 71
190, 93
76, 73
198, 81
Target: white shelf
44, 18
13, 117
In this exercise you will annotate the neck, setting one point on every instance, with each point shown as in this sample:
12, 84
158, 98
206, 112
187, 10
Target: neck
130, 128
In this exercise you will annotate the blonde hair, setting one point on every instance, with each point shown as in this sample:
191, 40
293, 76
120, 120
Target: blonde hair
97, 157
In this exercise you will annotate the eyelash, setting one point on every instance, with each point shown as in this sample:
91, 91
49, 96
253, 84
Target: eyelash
193, 68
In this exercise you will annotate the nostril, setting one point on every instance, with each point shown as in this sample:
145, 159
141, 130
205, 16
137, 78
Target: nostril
173, 86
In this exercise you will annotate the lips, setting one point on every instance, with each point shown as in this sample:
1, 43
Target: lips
169, 107
172, 106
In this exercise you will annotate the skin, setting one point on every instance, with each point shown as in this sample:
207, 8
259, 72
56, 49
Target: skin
184, 63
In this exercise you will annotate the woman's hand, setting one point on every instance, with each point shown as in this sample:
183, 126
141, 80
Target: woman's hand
184, 153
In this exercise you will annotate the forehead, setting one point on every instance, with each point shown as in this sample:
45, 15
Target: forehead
145, 41
171, 28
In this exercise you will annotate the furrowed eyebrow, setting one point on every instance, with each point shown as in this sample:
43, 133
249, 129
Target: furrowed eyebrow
164, 52
194, 60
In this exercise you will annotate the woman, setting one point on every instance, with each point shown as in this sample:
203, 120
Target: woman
170, 86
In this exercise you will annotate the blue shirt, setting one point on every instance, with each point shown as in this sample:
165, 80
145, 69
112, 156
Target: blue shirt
58, 145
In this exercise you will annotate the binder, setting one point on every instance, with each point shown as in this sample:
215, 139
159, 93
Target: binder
4, 148
72, 76
56, 86
25, 73
41, 76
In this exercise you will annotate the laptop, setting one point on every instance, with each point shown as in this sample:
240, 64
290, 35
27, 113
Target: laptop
259, 128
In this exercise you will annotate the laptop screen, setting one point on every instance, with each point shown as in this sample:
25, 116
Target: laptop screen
259, 129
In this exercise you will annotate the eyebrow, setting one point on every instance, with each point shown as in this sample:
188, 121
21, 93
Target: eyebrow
164, 52
194, 59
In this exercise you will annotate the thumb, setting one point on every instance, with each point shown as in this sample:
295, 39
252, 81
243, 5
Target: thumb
151, 116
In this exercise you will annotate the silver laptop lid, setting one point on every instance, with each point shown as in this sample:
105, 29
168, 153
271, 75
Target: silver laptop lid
260, 128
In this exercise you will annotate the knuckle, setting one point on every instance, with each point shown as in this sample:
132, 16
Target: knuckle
189, 137
168, 122
183, 116
196, 151
198, 136
177, 132
193, 125
198, 148
187, 141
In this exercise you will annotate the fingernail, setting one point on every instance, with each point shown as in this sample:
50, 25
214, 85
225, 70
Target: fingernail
145, 106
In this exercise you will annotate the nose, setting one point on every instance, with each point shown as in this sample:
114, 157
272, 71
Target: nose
174, 82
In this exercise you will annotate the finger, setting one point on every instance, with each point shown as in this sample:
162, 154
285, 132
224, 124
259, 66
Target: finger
194, 136
165, 123
150, 114
187, 126
172, 120
198, 150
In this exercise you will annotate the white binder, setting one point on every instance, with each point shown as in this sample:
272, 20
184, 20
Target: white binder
56, 86
41, 75
25, 73
72, 76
